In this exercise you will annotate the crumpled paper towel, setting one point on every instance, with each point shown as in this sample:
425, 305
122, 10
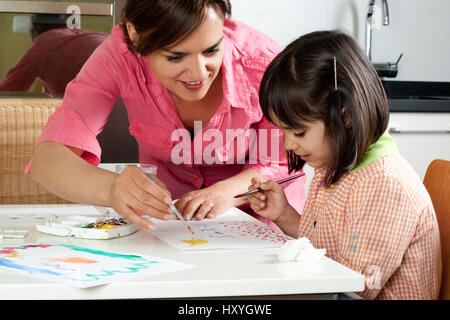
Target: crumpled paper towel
300, 250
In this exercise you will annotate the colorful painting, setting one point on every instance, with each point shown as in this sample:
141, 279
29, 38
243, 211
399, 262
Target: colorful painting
82, 267
232, 230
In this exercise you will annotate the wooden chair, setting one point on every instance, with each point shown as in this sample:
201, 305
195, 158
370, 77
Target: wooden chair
437, 182
21, 123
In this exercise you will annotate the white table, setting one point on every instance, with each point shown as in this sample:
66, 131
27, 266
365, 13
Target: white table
218, 273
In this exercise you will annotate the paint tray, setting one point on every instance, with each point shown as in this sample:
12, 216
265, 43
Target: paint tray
89, 227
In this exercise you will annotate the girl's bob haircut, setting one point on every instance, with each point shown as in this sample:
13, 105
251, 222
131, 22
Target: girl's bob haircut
299, 86
163, 23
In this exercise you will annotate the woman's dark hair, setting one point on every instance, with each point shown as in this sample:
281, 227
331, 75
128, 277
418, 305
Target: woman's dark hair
160, 23
298, 86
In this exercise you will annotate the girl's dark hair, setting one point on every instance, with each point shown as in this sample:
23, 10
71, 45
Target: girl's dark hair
299, 86
160, 23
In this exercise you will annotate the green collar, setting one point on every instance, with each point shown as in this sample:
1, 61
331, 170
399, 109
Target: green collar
384, 146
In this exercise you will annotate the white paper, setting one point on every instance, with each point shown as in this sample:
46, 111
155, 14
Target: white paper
80, 266
231, 230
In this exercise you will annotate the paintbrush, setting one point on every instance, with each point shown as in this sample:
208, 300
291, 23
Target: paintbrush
180, 216
259, 189
177, 213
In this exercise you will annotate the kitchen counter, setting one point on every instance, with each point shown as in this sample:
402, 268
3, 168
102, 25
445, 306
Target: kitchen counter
417, 96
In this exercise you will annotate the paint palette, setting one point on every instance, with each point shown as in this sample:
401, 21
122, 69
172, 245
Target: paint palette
89, 227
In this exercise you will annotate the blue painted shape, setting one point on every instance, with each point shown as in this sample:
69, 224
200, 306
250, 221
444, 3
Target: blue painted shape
10, 264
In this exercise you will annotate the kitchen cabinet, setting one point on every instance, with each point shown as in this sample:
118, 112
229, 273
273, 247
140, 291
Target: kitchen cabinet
421, 137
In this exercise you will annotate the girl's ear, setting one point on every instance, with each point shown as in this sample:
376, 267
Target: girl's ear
132, 34
346, 119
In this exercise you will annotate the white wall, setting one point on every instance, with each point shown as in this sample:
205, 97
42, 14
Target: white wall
418, 28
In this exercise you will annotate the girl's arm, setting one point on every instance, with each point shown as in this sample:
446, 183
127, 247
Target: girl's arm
272, 203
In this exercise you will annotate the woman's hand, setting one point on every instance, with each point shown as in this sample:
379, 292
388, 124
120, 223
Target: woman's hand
208, 202
271, 202
134, 195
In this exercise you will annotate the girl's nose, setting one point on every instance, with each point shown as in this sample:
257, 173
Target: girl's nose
288, 143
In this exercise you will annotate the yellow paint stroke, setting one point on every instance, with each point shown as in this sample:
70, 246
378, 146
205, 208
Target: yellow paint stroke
13, 255
72, 260
194, 242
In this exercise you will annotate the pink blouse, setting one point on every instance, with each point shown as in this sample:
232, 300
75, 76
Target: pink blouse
115, 71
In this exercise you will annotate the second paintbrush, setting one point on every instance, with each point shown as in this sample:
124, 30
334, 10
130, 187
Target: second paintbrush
259, 189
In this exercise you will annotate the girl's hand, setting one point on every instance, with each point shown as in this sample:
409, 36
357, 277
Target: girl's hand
207, 202
271, 203
134, 195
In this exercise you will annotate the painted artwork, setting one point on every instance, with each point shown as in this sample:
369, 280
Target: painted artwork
82, 267
232, 230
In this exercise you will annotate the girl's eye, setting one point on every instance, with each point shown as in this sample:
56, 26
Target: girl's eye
299, 134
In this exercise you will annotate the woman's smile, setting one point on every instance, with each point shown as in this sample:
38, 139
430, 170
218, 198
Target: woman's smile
193, 85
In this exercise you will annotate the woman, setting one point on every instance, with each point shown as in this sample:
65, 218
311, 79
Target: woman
183, 69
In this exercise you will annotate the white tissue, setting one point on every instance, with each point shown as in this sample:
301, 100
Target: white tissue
300, 250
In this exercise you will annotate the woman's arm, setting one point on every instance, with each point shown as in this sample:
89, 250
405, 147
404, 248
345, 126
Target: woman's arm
61, 170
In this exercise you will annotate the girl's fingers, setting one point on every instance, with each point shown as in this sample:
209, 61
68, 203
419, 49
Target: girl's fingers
271, 185
255, 182
257, 205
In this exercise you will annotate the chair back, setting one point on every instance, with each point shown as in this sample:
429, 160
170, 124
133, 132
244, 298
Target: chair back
21, 124
437, 182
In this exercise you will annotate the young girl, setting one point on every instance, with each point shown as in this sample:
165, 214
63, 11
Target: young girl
366, 205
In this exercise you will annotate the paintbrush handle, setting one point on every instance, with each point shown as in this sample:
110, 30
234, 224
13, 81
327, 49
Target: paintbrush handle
291, 178
259, 189
177, 213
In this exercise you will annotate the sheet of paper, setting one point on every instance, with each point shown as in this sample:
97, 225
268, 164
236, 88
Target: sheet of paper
30, 216
82, 267
231, 230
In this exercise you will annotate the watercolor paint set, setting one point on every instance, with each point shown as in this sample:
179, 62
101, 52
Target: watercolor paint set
89, 227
